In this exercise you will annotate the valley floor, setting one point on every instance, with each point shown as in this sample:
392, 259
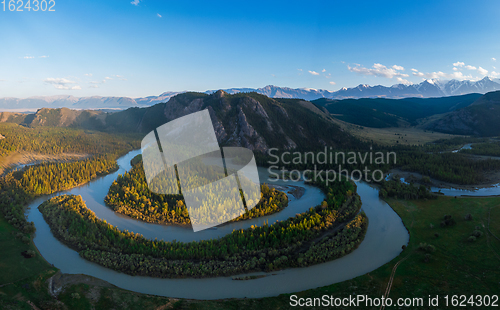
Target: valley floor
395, 135
453, 268
492, 179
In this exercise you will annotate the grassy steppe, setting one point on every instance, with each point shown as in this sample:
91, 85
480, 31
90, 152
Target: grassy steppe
23, 283
457, 266
13, 265
393, 135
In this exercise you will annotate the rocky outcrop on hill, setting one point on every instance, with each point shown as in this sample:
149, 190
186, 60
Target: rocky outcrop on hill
250, 120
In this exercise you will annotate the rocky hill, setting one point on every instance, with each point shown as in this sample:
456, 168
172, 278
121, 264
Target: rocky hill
251, 120
246, 119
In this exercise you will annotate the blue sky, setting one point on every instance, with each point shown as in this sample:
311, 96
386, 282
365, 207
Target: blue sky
145, 47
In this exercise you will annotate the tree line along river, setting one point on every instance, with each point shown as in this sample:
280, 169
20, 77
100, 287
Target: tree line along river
383, 241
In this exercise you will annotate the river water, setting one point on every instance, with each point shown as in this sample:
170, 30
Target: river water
383, 241
494, 190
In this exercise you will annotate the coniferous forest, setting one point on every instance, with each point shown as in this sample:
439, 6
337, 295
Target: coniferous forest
328, 154
130, 195
56, 140
323, 233
397, 189
19, 187
282, 244
428, 160
53, 177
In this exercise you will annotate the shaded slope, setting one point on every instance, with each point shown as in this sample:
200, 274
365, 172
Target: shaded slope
381, 112
480, 118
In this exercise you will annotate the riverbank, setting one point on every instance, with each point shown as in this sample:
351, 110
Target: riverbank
312, 237
493, 180
295, 191
13, 264
454, 268
383, 241
384, 238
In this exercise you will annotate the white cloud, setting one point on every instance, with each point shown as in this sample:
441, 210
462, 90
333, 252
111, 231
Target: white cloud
158, 15
379, 70
94, 86
300, 70
459, 65
67, 87
120, 77
493, 58
458, 75
403, 81
107, 78
332, 83
33, 57
324, 70
314, 72
482, 71
135, 2
494, 74
414, 70
62, 83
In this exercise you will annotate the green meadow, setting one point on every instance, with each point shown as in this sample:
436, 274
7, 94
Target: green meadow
449, 264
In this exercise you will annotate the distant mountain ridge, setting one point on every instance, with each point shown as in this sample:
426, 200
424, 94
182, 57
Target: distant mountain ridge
426, 89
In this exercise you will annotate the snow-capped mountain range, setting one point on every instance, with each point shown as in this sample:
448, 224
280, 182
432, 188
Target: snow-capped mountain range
426, 89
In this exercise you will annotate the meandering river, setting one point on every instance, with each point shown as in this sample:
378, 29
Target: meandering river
383, 241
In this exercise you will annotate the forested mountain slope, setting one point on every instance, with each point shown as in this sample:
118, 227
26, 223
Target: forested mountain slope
250, 120
480, 118
245, 119
382, 112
